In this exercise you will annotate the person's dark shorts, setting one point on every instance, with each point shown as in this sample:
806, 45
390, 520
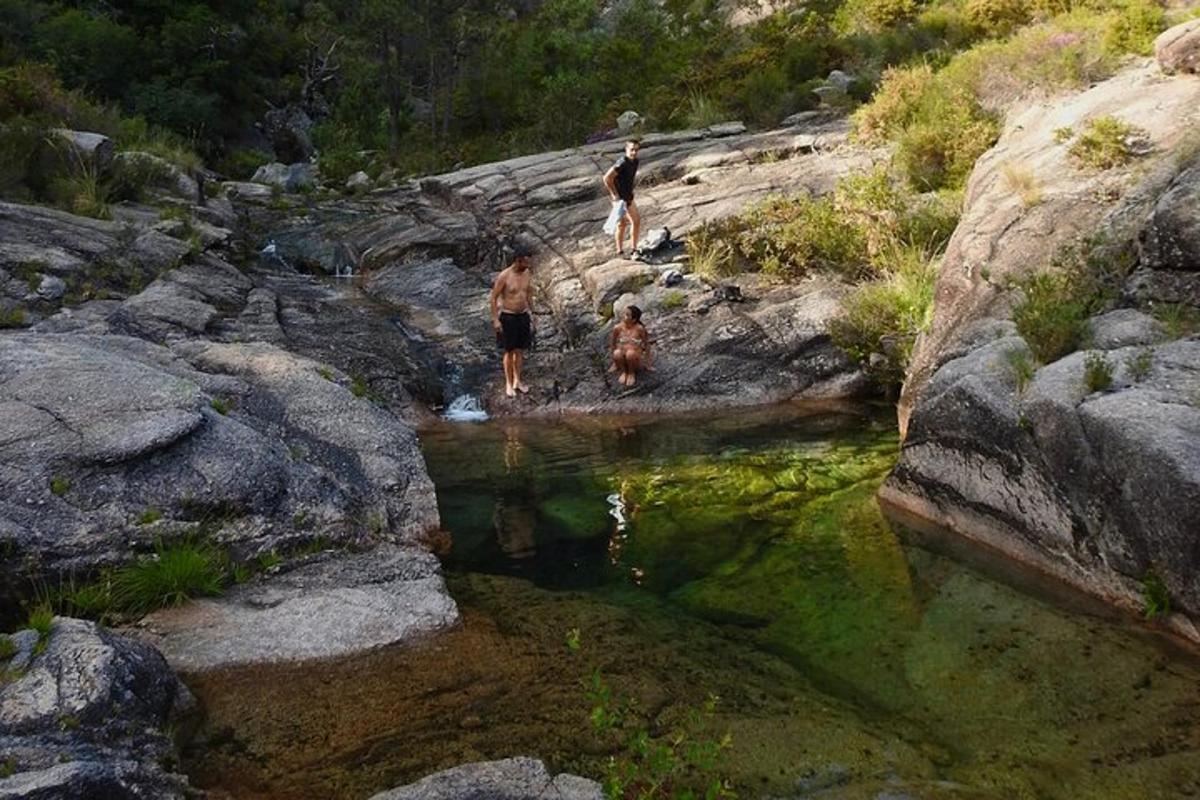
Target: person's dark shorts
516, 331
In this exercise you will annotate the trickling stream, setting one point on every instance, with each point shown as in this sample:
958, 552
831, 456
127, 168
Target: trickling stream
740, 555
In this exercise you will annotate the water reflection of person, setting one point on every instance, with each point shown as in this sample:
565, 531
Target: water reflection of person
514, 516
512, 448
515, 523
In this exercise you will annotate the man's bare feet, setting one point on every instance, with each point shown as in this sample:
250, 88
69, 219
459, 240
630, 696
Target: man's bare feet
631, 379
508, 392
522, 388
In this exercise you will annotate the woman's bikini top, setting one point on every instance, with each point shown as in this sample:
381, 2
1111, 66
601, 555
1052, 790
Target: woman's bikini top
626, 337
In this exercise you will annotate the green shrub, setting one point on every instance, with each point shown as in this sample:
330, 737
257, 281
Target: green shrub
7, 648
359, 387
1097, 372
12, 318
895, 103
1140, 364
241, 163
175, 574
885, 316
1134, 27
1178, 319
1023, 368
1052, 314
673, 299
998, 17
1105, 142
1156, 600
703, 111
939, 148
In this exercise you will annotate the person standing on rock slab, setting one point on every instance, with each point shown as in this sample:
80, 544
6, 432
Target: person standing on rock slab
512, 317
619, 182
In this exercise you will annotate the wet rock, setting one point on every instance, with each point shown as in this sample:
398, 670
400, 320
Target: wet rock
336, 605
1177, 49
510, 779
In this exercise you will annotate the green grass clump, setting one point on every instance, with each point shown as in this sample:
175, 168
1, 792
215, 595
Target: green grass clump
41, 619
1052, 313
268, 561
359, 387
60, 485
149, 516
222, 405
175, 574
326, 373
672, 300
703, 111
885, 316
1140, 364
12, 318
1097, 372
1106, 142
1023, 368
1178, 319
7, 648
1156, 600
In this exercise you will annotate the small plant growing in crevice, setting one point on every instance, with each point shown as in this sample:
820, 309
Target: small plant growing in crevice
1156, 600
41, 619
1064, 134
1097, 372
7, 648
1022, 182
1140, 364
673, 300
13, 318
1107, 142
60, 485
1022, 366
326, 373
222, 406
268, 561
359, 387
149, 516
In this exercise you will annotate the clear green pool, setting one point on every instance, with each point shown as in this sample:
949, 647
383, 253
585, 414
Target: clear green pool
740, 555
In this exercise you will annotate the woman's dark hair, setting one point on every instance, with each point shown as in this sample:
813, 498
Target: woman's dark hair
636, 312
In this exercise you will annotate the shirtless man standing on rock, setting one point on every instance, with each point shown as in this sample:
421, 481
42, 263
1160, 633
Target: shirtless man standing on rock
512, 317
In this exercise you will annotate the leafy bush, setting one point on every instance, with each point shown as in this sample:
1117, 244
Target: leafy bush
998, 17
1156, 600
7, 648
1140, 364
1105, 142
1023, 369
175, 574
885, 316
1052, 314
1097, 372
1134, 27
12, 318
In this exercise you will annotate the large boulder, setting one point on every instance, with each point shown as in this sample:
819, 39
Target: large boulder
151, 172
296, 177
1171, 237
86, 717
1178, 49
94, 150
509, 779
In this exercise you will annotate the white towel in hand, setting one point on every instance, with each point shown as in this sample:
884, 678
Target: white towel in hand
614, 217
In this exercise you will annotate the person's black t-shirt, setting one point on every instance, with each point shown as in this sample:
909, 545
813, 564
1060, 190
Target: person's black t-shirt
626, 171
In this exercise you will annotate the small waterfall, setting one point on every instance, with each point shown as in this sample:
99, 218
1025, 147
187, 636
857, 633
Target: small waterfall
465, 408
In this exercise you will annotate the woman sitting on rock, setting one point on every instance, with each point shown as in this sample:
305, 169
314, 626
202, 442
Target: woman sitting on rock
630, 345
